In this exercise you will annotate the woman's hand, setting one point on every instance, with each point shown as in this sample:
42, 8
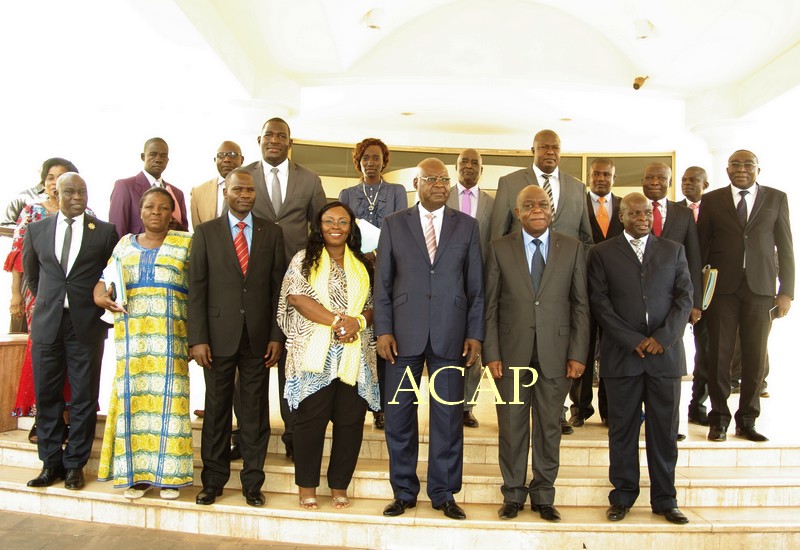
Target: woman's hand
346, 329
102, 298
15, 307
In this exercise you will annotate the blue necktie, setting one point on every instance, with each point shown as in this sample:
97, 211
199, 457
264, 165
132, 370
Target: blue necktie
537, 266
741, 208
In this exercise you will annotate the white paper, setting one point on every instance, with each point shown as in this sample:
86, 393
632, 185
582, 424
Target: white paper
369, 235
113, 274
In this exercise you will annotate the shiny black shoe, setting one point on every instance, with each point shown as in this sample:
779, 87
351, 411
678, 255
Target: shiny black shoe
236, 452
547, 511
673, 515
577, 421
398, 507
32, 437
378, 420
73, 479
566, 429
717, 433
699, 418
617, 512
47, 477
681, 437
254, 497
509, 510
207, 496
469, 420
451, 510
750, 433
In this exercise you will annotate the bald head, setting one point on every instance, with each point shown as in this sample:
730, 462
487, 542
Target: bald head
469, 167
228, 157
432, 183
71, 193
636, 215
533, 210
546, 151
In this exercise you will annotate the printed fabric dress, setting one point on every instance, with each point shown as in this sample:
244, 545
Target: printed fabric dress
148, 434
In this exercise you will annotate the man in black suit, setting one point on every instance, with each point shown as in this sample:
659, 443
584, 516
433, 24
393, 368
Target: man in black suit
63, 257
740, 228
238, 262
603, 209
641, 295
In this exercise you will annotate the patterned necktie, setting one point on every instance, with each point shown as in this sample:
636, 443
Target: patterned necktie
240, 245
466, 202
275, 191
537, 266
695, 210
637, 247
430, 237
741, 208
602, 216
549, 191
67, 244
658, 221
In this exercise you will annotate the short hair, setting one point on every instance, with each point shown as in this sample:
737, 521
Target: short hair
276, 119
361, 147
236, 171
603, 160
56, 161
154, 140
158, 190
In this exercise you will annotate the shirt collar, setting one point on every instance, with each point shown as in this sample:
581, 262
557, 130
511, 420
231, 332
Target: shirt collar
528, 239
629, 238
436, 213
753, 191
233, 220
283, 168
62, 217
595, 196
460, 188
553, 176
152, 180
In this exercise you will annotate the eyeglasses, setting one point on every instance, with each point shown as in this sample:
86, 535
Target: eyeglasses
434, 179
328, 222
746, 165
232, 154
656, 178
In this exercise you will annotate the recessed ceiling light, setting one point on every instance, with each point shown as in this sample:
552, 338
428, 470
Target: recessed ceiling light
406, 113
565, 119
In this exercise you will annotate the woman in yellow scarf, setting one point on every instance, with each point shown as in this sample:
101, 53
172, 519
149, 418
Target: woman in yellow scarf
325, 310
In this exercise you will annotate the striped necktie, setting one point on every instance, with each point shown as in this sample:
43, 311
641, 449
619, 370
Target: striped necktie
430, 237
549, 190
240, 244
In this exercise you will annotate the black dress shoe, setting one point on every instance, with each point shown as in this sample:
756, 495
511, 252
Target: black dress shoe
509, 510
617, 512
673, 515
253, 497
290, 451
717, 433
47, 477
750, 433
208, 496
681, 437
698, 418
566, 429
451, 510
378, 420
546, 511
469, 420
398, 507
577, 420
74, 479
236, 452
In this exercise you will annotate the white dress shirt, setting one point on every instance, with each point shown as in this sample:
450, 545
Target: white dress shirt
555, 183
75, 244
283, 177
749, 198
438, 216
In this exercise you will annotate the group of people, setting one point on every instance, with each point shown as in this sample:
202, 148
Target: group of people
531, 287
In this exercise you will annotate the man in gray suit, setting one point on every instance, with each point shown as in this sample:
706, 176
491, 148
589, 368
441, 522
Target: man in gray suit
537, 338
289, 195
466, 197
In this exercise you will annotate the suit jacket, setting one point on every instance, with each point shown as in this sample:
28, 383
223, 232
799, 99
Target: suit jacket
725, 245
557, 316
571, 217
632, 300
614, 224
50, 285
680, 227
483, 214
222, 300
391, 198
203, 201
417, 301
124, 212
304, 199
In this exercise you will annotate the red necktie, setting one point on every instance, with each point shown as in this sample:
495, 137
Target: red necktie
658, 223
240, 245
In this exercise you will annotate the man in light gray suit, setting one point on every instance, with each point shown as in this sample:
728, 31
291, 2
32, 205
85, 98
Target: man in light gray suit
537, 339
469, 199
289, 195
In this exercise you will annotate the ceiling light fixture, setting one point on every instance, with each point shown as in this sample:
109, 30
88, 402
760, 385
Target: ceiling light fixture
374, 18
638, 82
643, 28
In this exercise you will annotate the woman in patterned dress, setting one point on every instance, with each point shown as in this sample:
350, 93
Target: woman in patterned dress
372, 199
148, 436
325, 310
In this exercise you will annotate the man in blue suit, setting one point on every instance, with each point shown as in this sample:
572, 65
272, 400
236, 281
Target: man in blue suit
428, 309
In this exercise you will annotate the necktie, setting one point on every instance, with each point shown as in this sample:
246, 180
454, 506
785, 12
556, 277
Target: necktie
466, 202
176, 214
240, 245
430, 237
67, 245
695, 210
275, 191
741, 208
549, 191
602, 216
537, 265
637, 247
658, 222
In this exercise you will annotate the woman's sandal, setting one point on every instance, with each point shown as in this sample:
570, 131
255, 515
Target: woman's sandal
341, 502
309, 503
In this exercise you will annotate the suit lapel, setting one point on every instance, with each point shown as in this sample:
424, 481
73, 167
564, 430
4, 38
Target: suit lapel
627, 250
757, 204
226, 240
553, 251
518, 251
449, 223
260, 180
291, 187
650, 249
479, 213
415, 227
670, 218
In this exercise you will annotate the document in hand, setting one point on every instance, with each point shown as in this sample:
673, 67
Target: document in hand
112, 275
369, 235
709, 284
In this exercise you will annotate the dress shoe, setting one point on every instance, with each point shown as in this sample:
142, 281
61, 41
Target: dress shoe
681, 437
451, 510
673, 515
74, 479
290, 451
253, 497
208, 496
509, 510
577, 421
47, 477
699, 418
547, 511
717, 433
566, 429
750, 433
735, 387
236, 452
617, 512
199, 413
398, 507
469, 420
32, 437
763, 393
378, 420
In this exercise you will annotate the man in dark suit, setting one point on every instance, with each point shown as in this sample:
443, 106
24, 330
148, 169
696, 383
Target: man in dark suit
466, 197
603, 208
123, 210
63, 257
641, 295
238, 262
740, 229
537, 316
289, 195
428, 309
